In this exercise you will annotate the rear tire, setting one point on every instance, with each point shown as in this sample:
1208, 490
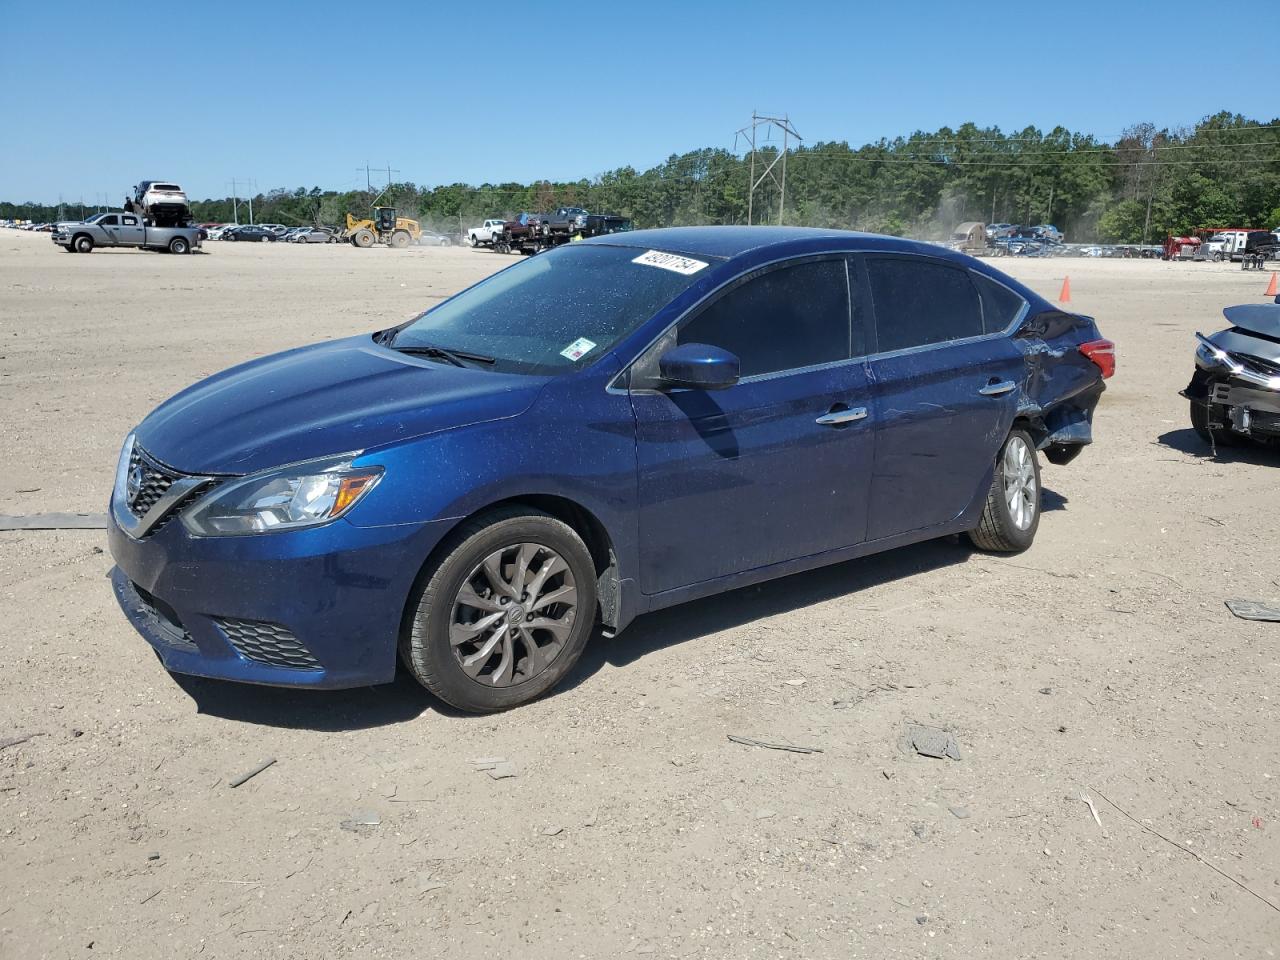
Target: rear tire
1201, 414
437, 611
400, 239
179, 245
1011, 515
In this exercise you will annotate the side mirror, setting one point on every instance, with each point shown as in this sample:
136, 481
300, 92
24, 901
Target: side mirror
699, 366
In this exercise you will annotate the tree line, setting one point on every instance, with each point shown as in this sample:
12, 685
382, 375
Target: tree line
1223, 171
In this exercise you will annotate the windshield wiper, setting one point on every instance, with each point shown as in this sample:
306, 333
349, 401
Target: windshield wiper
455, 357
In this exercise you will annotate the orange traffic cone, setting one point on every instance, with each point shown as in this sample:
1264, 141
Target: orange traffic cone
1065, 295
1271, 287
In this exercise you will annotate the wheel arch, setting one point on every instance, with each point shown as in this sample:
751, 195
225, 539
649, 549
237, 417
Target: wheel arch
580, 519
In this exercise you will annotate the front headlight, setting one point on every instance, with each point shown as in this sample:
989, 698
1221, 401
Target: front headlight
288, 498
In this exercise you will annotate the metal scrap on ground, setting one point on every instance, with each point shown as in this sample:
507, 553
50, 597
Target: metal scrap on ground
748, 741
55, 521
931, 742
1253, 610
496, 767
252, 773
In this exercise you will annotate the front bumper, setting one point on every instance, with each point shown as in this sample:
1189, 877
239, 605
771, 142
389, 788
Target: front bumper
310, 608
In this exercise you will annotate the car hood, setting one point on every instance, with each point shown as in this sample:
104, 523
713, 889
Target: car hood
322, 400
1263, 318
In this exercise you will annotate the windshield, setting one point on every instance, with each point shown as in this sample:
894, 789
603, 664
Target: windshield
556, 311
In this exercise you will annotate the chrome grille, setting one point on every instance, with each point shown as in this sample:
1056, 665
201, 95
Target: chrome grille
265, 642
151, 479
1268, 368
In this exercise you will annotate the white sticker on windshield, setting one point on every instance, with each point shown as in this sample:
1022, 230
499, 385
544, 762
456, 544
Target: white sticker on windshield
578, 349
669, 261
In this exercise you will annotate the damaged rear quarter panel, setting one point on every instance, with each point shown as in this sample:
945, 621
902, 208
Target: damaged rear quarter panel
1062, 386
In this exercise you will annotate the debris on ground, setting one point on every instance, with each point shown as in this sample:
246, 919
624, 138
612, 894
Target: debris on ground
552, 831
1253, 610
361, 821
1088, 800
790, 748
855, 697
765, 814
252, 773
55, 521
499, 768
931, 742
960, 813
14, 741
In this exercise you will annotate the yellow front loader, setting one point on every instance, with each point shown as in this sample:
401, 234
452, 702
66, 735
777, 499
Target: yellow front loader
385, 227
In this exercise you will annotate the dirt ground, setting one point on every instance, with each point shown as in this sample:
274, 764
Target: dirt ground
1102, 660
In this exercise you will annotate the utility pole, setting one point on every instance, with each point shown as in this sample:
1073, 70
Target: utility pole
249, 184
748, 132
1151, 192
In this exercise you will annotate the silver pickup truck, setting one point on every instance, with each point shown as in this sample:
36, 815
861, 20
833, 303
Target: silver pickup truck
123, 230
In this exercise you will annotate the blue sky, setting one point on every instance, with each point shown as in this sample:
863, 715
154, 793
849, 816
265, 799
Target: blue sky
296, 94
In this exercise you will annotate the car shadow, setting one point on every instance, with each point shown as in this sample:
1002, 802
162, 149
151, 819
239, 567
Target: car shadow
1188, 441
689, 621
1051, 500
360, 708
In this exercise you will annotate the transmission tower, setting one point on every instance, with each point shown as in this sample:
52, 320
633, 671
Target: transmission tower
749, 133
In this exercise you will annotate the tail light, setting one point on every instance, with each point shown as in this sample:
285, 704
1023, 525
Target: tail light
1103, 355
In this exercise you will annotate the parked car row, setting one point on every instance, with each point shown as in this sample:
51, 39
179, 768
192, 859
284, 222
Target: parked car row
1008, 231
278, 232
269, 233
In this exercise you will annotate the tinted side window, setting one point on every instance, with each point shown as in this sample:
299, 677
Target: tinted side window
1000, 305
920, 302
781, 319
111, 221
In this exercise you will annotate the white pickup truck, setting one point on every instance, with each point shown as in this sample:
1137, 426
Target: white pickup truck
482, 235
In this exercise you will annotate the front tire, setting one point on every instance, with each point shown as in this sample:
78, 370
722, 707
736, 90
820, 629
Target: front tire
1011, 515
83, 244
1201, 415
503, 613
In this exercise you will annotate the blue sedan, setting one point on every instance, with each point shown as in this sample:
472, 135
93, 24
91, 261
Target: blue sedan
603, 430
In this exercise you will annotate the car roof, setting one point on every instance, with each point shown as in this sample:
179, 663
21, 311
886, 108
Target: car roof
733, 241
729, 243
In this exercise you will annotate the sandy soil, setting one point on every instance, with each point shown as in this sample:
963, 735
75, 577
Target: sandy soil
1101, 660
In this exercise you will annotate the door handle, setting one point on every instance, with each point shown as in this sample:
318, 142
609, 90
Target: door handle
996, 389
836, 417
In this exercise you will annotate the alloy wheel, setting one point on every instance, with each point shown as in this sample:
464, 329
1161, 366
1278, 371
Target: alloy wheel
513, 614
1020, 491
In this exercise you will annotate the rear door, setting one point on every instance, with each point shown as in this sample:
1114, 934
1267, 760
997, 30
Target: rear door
775, 467
945, 392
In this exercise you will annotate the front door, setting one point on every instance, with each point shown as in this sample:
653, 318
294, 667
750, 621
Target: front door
945, 391
775, 467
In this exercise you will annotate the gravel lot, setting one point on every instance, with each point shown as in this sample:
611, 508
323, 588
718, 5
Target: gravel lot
1101, 660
